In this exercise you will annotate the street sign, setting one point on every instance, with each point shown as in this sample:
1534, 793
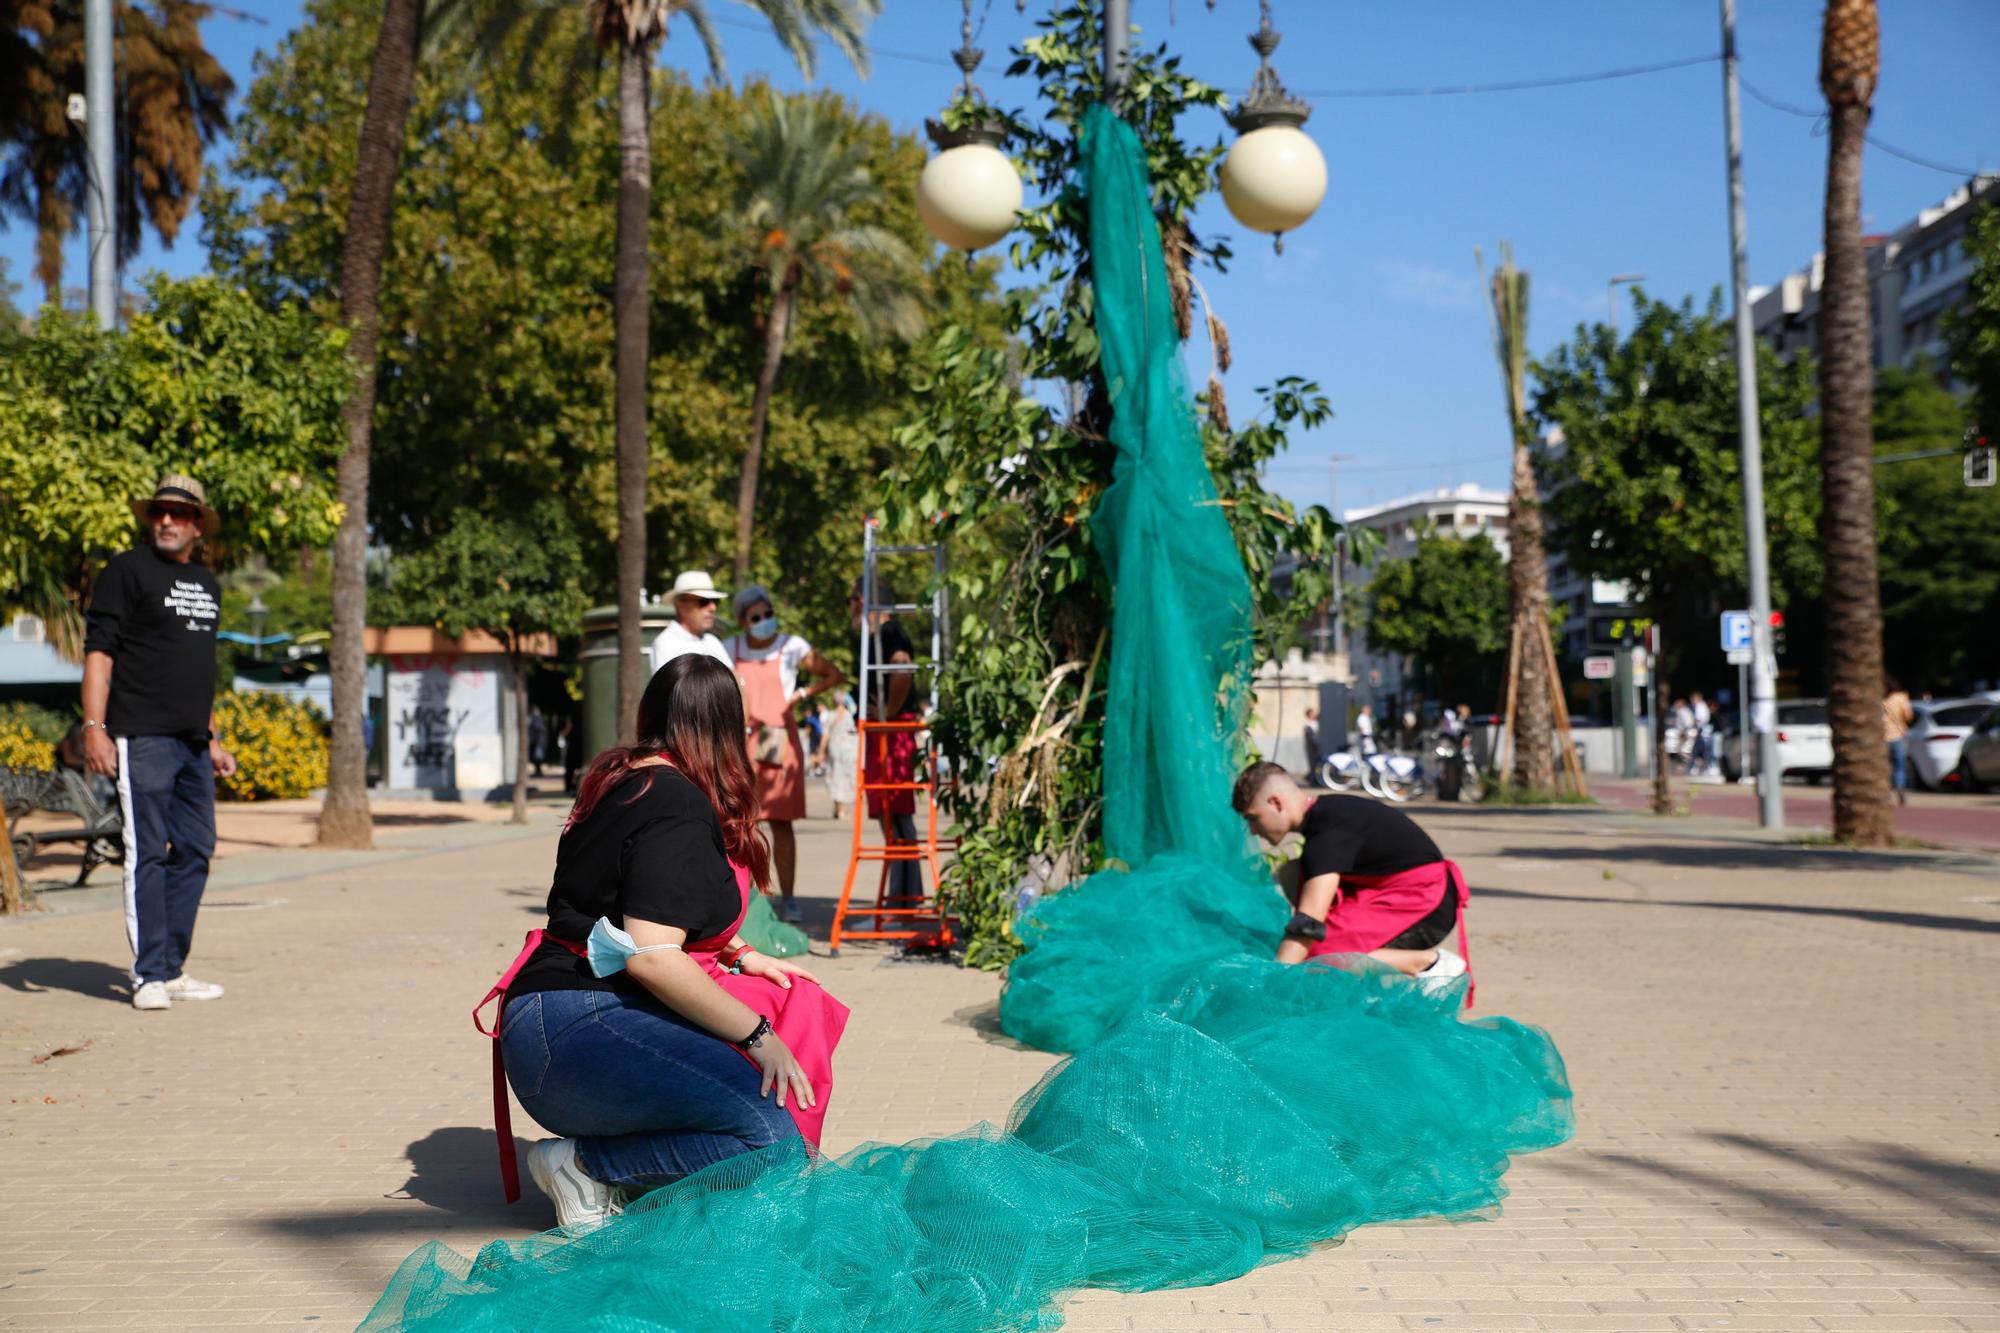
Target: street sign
1738, 634
1740, 656
1599, 668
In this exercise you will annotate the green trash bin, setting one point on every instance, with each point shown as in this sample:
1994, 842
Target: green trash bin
600, 671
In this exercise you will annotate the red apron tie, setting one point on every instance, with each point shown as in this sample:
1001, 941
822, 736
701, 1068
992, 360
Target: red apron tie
503, 1114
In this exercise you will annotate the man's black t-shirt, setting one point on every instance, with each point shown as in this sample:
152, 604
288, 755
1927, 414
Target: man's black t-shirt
891, 639
156, 618
1352, 835
651, 849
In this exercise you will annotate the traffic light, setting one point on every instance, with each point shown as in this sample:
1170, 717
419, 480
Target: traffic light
1777, 634
1979, 464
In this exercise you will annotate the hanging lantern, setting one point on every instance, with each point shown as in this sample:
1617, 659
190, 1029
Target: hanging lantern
969, 193
1274, 176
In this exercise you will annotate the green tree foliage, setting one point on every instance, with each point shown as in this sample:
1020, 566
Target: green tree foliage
515, 575
1974, 329
1010, 481
496, 342
1642, 485
173, 98
1939, 538
204, 380
1447, 606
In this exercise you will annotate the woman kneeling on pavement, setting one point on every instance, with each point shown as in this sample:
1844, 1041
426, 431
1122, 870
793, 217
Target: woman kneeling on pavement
640, 1026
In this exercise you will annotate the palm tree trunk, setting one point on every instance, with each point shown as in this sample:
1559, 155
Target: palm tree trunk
629, 318
1861, 802
775, 329
519, 662
344, 819
1528, 583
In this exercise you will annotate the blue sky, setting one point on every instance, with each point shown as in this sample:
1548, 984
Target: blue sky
1377, 297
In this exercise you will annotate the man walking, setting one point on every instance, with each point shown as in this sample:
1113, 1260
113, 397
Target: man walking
149, 722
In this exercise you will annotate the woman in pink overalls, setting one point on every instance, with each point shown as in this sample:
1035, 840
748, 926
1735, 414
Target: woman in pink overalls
770, 664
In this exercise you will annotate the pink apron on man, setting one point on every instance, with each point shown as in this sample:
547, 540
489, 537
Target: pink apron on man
807, 1019
1374, 909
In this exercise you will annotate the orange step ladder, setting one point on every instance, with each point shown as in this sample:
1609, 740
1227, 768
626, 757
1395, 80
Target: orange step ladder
915, 918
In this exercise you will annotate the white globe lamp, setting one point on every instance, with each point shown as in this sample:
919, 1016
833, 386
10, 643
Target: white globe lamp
969, 194
1274, 177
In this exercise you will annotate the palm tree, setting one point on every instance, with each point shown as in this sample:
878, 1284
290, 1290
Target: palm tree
1529, 687
173, 102
344, 820
803, 183
1850, 59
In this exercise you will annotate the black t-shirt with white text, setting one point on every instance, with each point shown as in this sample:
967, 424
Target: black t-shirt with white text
1352, 835
157, 619
652, 849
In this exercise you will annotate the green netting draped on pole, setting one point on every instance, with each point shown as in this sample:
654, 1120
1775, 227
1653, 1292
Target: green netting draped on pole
1220, 1111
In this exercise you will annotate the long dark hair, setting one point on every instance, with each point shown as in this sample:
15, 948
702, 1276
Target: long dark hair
692, 715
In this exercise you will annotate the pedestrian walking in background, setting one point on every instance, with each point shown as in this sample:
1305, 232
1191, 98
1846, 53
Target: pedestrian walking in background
538, 738
770, 664
1364, 729
1314, 756
149, 721
571, 740
843, 751
1897, 715
1701, 757
695, 598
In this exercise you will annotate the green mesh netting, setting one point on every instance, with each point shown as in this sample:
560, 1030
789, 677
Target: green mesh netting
1221, 1110
768, 935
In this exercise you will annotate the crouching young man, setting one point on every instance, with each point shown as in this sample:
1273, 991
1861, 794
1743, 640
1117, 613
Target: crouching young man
1367, 881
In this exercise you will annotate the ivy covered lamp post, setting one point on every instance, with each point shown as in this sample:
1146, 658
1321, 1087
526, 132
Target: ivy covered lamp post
1274, 177
969, 194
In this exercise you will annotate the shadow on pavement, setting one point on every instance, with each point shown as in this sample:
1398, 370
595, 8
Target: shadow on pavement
1710, 855
1971, 1193
1879, 916
984, 1019
1864, 1227
92, 980
452, 1170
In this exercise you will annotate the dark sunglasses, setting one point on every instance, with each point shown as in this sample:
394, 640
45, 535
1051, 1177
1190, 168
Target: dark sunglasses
706, 601
179, 513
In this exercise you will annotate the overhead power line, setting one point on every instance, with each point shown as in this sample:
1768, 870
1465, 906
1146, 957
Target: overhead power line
1514, 85
1818, 117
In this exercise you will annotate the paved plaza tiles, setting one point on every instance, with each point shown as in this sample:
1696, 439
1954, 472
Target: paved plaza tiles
1786, 1061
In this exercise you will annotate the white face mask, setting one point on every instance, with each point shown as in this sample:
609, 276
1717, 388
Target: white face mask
764, 629
610, 948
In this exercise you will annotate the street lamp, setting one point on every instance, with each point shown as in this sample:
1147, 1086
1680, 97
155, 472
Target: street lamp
969, 193
1611, 294
1274, 176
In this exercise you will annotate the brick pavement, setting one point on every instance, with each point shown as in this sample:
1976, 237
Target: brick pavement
1787, 1063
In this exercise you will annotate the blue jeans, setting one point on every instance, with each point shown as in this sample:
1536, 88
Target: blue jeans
166, 795
649, 1096
1899, 764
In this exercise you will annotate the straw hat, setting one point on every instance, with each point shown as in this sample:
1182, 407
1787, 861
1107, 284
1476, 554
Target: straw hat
178, 488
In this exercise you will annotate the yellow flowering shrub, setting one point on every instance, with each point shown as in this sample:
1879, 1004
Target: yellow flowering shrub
280, 746
28, 736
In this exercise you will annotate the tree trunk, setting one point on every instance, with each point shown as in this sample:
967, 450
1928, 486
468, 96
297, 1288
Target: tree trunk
629, 313
775, 330
1528, 584
519, 662
344, 820
1663, 781
1861, 801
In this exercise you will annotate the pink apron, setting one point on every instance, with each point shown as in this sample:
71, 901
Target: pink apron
807, 1019
781, 787
1374, 909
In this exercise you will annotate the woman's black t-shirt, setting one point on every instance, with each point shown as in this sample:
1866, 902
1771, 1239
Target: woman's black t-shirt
651, 849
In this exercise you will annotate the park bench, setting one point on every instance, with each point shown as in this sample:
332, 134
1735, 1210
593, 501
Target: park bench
67, 792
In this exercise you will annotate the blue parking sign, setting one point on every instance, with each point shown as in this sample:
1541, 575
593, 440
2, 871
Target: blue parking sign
1737, 634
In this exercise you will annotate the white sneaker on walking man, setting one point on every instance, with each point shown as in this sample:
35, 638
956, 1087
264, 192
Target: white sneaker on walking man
149, 722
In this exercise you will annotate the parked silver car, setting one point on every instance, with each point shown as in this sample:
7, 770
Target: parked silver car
1979, 757
1937, 735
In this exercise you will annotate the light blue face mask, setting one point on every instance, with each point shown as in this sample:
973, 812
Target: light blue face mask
610, 948
767, 628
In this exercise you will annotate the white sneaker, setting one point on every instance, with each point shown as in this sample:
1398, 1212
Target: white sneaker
791, 911
152, 995
1444, 970
185, 987
579, 1200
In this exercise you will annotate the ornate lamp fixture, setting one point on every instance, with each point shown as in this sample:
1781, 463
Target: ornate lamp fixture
969, 193
1274, 177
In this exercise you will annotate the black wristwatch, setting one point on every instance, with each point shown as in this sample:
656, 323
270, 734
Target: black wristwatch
757, 1034
1305, 929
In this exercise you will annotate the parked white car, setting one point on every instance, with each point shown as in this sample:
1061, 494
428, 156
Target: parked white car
1938, 735
1805, 742
1979, 757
